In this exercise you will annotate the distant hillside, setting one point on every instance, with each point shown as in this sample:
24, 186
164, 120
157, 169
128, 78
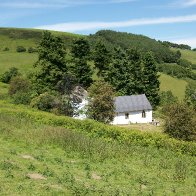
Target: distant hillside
10, 38
189, 55
127, 40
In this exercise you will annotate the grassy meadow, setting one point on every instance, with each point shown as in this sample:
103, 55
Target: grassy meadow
177, 86
189, 55
45, 159
23, 61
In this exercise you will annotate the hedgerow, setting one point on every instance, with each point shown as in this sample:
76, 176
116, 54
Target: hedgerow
99, 130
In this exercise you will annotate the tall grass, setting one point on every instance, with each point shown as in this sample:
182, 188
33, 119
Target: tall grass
99, 130
70, 159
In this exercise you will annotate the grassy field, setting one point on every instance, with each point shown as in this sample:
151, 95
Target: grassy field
189, 55
177, 86
23, 61
65, 162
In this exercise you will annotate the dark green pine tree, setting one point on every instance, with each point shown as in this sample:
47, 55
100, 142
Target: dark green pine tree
150, 79
101, 57
119, 75
51, 53
135, 62
80, 68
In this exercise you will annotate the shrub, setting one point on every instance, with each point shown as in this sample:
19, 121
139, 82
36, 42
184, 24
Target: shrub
32, 50
6, 49
44, 102
53, 103
190, 94
180, 122
101, 102
21, 98
20, 90
20, 49
99, 130
175, 70
8, 75
167, 98
18, 84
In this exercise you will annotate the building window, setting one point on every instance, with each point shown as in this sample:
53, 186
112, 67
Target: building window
126, 115
143, 114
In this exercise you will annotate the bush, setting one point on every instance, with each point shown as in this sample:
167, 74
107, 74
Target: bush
6, 49
21, 98
106, 132
175, 70
20, 90
167, 98
32, 50
8, 75
180, 122
20, 49
44, 102
184, 63
18, 84
190, 94
58, 104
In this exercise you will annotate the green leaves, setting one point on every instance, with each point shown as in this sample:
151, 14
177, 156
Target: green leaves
101, 102
51, 53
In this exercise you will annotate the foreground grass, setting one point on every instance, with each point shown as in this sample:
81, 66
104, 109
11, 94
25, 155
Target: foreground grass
74, 164
175, 85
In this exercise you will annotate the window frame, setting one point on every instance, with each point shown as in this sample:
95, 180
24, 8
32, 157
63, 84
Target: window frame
143, 114
126, 115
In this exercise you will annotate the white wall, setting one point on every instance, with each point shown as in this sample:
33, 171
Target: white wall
134, 117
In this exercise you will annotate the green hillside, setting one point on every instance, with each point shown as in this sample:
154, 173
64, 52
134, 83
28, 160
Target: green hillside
176, 86
66, 160
127, 40
189, 55
11, 38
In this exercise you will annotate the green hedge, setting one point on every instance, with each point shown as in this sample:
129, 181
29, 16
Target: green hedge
108, 132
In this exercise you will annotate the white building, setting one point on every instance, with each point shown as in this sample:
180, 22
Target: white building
132, 109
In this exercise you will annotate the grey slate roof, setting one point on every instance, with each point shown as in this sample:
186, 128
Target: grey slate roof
132, 103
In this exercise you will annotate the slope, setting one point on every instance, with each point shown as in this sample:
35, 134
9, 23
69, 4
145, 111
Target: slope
65, 161
175, 85
11, 38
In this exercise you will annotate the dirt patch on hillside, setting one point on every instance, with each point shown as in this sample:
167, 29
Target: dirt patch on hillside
25, 156
95, 176
36, 176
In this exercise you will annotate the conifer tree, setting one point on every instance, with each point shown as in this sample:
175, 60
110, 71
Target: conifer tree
80, 67
150, 79
118, 74
51, 53
101, 58
135, 62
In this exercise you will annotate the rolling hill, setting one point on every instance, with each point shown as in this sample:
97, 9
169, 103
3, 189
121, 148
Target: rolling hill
10, 38
46, 154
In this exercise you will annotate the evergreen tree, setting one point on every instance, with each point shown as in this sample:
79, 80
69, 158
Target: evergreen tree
101, 102
119, 73
51, 62
101, 58
150, 79
80, 67
135, 62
